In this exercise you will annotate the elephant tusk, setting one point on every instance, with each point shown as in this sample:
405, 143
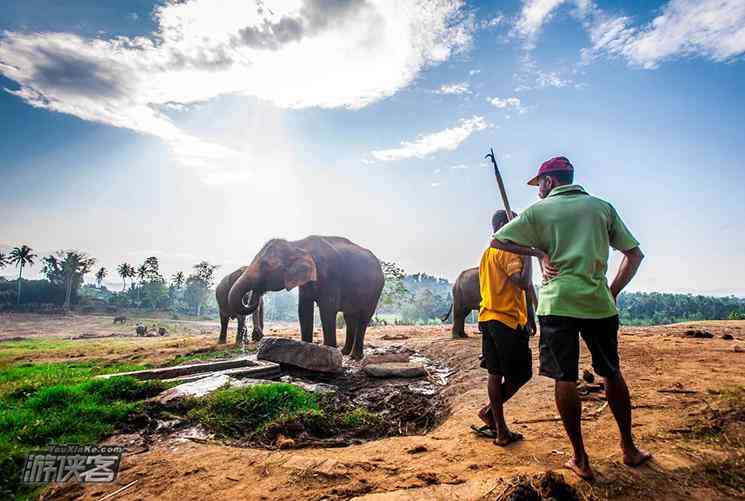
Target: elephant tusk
245, 302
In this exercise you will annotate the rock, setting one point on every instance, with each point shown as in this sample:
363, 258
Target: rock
699, 334
728, 337
588, 376
309, 356
384, 359
739, 349
395, 370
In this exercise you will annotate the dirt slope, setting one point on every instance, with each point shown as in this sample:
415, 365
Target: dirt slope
451, 462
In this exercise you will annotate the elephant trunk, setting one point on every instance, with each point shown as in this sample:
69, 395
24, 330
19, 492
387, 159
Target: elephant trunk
246, 283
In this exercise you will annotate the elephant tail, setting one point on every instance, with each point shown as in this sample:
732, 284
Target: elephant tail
445, 317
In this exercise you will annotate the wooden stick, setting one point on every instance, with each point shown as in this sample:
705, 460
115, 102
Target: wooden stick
500, 184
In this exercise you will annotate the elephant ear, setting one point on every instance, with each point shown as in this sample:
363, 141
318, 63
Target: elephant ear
302, 271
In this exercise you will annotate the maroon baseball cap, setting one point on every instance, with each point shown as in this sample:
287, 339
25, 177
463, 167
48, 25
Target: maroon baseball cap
556, 164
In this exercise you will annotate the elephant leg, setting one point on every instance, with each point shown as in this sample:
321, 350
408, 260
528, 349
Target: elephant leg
358, 350
258, 322
305, 315
223, 329
241, 333
459, 321
328, 321
352, 327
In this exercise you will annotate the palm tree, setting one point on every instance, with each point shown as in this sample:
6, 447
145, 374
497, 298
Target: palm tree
21, 256
100, 275
123, 271
177, 280
74, 264
3, 260
142, 273
131, 274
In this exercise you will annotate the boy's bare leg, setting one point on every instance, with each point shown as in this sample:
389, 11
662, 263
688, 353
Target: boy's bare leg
570, 409
497, 398
485, 414
619, 401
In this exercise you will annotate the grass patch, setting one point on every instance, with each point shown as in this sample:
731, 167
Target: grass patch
724, 422
261, 412
41, 404
237, 412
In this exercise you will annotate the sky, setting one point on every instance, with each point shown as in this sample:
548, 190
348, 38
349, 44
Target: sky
200, 129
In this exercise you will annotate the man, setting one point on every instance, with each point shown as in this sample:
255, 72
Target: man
504, 320
570, 232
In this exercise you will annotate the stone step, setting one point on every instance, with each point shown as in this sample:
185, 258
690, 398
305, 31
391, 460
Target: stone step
251, 366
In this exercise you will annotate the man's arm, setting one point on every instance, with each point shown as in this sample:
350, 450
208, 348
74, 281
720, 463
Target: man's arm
524, 280
548, 269
632, 259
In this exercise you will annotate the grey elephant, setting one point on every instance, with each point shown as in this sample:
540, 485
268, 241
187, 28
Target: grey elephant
332, 272
467, 298
226, 313
141, 330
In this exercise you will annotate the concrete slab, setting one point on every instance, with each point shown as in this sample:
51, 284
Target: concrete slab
251, 368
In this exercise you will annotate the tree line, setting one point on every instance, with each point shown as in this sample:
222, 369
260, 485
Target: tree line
406, 299
65, 271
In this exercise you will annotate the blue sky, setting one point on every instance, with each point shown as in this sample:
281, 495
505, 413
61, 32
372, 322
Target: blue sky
198, 131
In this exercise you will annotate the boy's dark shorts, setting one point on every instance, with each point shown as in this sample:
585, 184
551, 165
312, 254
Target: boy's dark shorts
559, 346
505, 351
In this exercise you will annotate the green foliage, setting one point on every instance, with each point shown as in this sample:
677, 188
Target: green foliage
655, 308
360, 418
242, 411
736, 315
34, 413
395, 292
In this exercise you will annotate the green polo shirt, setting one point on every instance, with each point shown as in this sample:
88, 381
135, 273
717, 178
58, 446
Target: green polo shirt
575, 230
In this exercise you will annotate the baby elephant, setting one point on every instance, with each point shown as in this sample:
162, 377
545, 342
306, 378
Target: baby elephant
120, 320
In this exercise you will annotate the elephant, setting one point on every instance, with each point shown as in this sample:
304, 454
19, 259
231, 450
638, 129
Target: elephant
120, 319
141, 330
332, 272
226, 313
466, 297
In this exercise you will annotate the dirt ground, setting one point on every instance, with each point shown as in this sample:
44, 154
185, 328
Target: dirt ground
450, 462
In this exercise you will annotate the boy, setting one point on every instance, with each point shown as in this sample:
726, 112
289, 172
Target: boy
504, 320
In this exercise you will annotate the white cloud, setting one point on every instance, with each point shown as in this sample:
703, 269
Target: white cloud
533, 15
507, 103
714, 29
491, 23
428, 144
435, 185
459, 167
454, 88
301, 53
474, 72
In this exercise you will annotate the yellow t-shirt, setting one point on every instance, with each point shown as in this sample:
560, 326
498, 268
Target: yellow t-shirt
501, 300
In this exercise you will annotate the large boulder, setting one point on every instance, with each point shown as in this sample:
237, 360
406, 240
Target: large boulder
313, 357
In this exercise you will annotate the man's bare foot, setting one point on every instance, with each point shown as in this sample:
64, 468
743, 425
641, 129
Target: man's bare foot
507, 438
636, 457
580, 468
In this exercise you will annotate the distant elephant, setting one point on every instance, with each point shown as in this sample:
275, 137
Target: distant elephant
226, 313
141, 330
120, 319
332, 272
466, 298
